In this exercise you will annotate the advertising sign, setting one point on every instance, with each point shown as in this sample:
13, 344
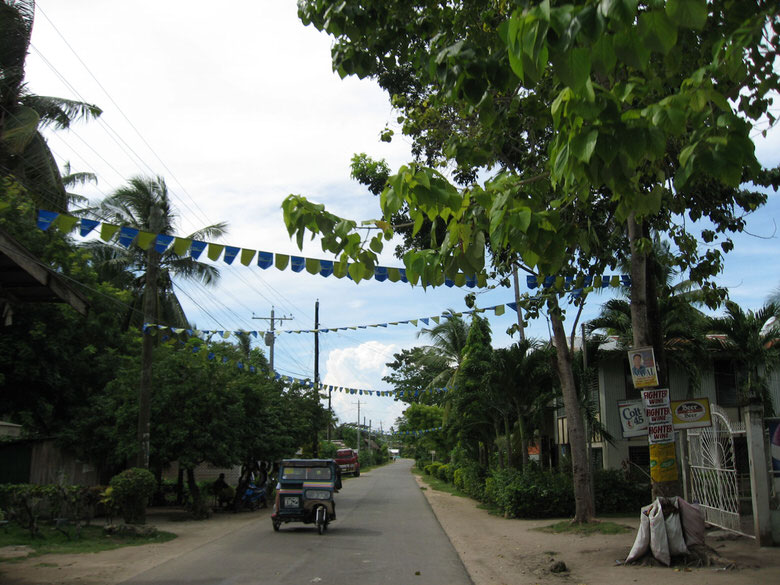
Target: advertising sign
692, 413
632, 418
643, 368
663, 462
658, 412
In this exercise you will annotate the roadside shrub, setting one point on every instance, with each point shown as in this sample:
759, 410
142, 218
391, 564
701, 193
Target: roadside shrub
131, 491
432, 468
470, 478
441, 472
619, 492
531, 493
28, 503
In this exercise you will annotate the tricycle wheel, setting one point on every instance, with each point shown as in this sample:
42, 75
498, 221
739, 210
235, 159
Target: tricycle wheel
277, 524
357, 473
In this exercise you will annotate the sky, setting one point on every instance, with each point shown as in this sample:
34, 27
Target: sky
238, 108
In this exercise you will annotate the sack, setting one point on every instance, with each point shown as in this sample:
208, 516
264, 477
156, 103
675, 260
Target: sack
642, 540
674, 535
692, 522
659, 544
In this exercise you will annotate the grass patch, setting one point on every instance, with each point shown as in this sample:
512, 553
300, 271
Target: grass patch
591, 528
437, 484
91, 540
491, 509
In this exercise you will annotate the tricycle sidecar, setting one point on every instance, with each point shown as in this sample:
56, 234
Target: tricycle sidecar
305, 492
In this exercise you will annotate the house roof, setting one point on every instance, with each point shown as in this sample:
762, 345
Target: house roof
23, 278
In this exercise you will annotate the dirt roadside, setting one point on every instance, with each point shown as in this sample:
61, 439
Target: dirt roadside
506, 552
515, 552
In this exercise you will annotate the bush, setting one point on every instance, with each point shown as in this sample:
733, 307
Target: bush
619, 492
445, 472
470, 478
29, 503
131, 491
432, 468
531, 493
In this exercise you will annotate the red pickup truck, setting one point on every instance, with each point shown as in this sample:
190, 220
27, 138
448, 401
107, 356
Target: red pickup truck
347, 460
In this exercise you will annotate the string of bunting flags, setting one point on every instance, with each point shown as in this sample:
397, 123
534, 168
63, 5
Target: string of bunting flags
418, 432
125, 236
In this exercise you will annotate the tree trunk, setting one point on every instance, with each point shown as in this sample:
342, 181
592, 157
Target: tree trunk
510, 460
646, 332
523, 431
147, 352
580, 468
200, 510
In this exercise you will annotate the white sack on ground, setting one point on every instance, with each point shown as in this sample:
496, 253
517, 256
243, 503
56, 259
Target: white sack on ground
692, 522
642, 540
659, 543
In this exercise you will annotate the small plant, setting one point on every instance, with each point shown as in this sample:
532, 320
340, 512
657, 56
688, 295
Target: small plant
131, 491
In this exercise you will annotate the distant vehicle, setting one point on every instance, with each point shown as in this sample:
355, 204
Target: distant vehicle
347, 460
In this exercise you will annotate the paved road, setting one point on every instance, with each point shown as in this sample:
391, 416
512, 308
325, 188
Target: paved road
385, 533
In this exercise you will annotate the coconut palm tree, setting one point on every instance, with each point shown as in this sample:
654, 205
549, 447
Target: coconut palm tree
24, 152
752, 342
446, 350
144, 204
524, 373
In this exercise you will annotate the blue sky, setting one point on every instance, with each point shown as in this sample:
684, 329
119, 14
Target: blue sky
239, 108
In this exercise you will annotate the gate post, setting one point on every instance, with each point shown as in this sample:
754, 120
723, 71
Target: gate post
759, 473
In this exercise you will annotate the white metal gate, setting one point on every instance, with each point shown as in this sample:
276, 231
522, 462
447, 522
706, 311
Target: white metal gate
713, 472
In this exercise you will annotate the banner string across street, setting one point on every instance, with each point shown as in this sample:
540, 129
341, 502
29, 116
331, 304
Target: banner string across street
126, 235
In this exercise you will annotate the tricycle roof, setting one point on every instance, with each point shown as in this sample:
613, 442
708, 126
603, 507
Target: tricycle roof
307, 462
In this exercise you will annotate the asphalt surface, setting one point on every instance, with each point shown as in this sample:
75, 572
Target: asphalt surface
385, 533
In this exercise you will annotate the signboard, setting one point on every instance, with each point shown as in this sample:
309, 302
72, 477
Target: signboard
692, 413
658, 411
643, 368
632, 418
663, 462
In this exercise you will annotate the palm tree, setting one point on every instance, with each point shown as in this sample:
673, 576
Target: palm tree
752, 341
24, 152
524, 373
144, 204
446, 350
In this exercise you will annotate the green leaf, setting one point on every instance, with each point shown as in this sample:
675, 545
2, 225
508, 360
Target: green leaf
582, 145
20, 128
657, 31
573, 67
688, 13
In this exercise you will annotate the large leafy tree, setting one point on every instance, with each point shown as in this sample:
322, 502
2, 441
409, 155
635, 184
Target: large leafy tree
413, 372
629, 102
24, 152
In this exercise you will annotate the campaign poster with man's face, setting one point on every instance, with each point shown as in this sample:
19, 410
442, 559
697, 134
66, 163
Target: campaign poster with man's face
644, 372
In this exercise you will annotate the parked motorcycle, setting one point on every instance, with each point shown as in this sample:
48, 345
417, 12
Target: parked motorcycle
254, 497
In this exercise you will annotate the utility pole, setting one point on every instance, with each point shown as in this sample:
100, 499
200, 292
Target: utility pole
358, 428
269, 336
370, 452
520, 328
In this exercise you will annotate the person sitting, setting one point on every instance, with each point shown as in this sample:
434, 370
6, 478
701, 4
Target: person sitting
223, 492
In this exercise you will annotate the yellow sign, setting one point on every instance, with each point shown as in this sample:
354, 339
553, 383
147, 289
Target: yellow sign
663, 462
691, 414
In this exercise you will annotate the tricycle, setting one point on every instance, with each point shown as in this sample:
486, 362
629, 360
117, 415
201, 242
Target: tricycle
305, 492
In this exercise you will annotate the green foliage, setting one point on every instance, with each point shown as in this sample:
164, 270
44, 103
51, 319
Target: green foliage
27, 504
531, 493
618, 492
470, 478
432, 468
446, 472
132, 489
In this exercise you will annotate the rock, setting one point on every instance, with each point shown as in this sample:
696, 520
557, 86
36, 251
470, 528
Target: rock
558, 567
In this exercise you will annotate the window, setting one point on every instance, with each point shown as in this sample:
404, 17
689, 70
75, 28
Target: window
640, 455
725, 383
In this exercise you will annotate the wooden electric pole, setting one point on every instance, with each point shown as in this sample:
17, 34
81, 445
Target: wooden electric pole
270, 336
